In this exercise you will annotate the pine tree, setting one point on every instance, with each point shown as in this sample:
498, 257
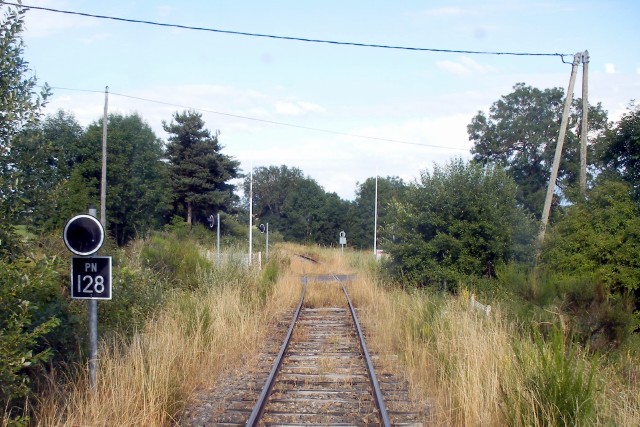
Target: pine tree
199, 171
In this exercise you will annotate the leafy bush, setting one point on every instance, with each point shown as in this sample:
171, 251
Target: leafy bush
27, 319
175, 258
601, 236
579, 300
593, 253
136, 294
460, 221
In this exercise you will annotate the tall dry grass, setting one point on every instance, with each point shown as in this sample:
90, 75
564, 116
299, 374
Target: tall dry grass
461, 364
470, 369
149, 378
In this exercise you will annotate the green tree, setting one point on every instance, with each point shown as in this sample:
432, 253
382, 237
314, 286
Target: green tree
362, 210
200, 173
332, 219
622, 150
521, 132
302, 211
296, 206
461, 220
19, 106
44, 156
600, 235
271, 186
137, 177
598, 241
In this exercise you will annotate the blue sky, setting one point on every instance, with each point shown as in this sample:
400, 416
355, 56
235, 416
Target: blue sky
419, 97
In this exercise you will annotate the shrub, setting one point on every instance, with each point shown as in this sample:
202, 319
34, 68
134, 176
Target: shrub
26, 320
176, 259
460, 221
556, 383
601, 237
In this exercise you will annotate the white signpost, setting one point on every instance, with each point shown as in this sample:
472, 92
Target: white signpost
343, 241
212, 222
265, 229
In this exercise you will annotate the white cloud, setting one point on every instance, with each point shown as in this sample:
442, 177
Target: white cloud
609, 68
296, 108
638, 70
165, 10
95, 38
463, 67
439, 12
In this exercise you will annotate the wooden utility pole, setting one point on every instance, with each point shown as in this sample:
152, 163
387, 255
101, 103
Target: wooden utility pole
584, 127
556, 159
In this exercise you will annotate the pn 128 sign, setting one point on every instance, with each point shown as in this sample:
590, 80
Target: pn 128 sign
91, 277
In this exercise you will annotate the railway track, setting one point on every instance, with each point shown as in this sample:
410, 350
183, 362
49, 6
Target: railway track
323, 374
320, 373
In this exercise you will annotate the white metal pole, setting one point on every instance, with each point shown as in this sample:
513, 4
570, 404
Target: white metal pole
218, 239
250, 213
375, 222
267, 245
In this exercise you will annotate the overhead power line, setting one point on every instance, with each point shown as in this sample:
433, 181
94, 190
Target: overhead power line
272, 122
290, 38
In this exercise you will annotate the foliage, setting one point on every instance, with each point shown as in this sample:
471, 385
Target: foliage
182, 262
44, 156
271, 186
521, 133
29, 312
296, 206
600, 235
137, 199
461, 220
580, 301
137, 294
312, 215
362, 211
596, 247
557, 383
10, 244
622, 150
19, 107
199, 172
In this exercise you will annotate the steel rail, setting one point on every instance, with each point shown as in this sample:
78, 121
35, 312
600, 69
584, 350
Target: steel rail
258, 409
372, 375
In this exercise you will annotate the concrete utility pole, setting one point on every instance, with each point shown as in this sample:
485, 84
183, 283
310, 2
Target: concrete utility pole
93, 333
584, 127
92, 303
558, 154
